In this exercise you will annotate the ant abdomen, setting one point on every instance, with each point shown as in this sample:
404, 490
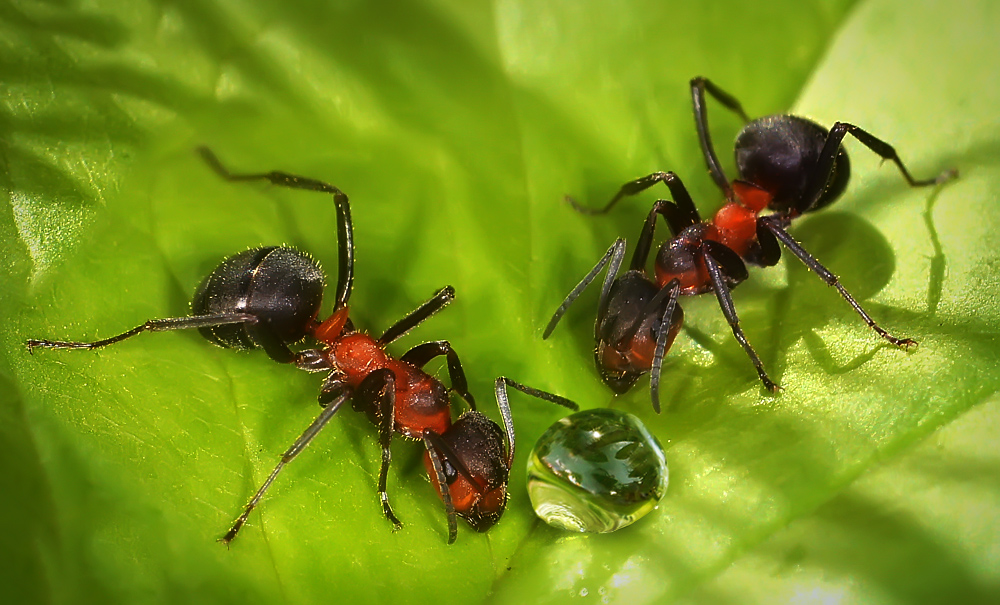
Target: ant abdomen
278, 285
779, 153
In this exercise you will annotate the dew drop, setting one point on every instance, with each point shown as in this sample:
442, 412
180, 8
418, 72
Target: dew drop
596, 471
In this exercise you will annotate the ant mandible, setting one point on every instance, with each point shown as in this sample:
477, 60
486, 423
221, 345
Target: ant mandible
787, 164
269, 298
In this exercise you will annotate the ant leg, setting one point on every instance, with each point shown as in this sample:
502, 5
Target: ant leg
721, 287
153, 325
615, 255
378, 391
421, 354
671, 180
313, 360
701, 84
678, 218
831, 149
272, 344
665, 334
676, 221
733, 267
537, 393
503, 402
831, 280
300, 444
331, 389
442, 482
440, 300
345, 228
698, 87
770, 251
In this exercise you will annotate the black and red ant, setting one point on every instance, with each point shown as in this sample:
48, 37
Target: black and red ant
269, 298
786, 164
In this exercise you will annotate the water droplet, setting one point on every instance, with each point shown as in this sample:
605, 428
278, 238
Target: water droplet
596, 471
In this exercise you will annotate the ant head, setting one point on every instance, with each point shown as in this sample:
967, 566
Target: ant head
627, 329
475, 465
619, 381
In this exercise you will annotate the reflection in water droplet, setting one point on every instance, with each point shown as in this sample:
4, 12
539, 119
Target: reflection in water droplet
596, 471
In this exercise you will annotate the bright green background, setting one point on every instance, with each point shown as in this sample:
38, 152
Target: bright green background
456, 127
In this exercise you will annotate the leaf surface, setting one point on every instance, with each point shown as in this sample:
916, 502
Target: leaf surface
456, 128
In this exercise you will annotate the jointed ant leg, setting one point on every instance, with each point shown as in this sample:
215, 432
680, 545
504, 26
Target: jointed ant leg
451, 456
153, 325
293, 451
831, 280
503, 402
378, 390
312, 360
677, 190
770, 251
672, 214
729, 310
663, 335
698, 88
440, 300
614, 255
730, 263
273, 345
331, 389
345, 228
442, 482
421, 354
727, 100
831, 148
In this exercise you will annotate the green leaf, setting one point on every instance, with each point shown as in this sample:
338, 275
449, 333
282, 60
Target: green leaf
456, 128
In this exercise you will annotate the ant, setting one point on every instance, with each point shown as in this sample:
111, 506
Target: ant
787, 164
269, 298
